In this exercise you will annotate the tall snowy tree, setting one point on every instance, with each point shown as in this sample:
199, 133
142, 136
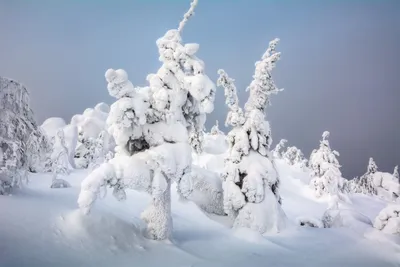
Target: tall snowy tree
151, 127
251, 196
277, 151
16, 125
326, 175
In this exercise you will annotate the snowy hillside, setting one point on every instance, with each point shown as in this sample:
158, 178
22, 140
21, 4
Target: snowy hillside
44, 227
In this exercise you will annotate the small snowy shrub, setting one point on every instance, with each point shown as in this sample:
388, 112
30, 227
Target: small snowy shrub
388, 220
326, 178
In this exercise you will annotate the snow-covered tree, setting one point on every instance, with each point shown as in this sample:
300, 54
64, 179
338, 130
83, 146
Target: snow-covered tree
251, 196
99, 154
60, 164
365, 184
326, 175
396, 175
215, 129
293, 156
16, 125
151, 127
277, 151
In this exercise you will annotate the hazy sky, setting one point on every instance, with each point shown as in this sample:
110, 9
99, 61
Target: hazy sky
340, 64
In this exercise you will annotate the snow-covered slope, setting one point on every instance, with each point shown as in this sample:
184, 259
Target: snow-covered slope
40, 226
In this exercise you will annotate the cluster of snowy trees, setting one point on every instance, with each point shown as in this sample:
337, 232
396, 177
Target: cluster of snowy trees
153, 136
157, 128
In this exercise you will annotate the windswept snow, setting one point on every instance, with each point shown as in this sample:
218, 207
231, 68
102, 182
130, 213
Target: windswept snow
44, 227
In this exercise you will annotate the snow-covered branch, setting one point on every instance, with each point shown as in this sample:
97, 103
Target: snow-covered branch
187, 15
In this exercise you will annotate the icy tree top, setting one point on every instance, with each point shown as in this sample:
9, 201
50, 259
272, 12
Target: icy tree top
187, 15
235, 115
262, 85
372, 167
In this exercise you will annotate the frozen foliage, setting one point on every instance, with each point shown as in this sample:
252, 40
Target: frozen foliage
388, 220
278, 150
20, 140
151, 127
235, 115
251, 196
293, 156
326, 176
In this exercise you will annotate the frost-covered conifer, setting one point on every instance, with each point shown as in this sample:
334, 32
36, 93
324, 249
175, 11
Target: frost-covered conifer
60, 161
16, 125
293, 156
151, 127
396, 175
277, 151
326, 176
251, 195
365, 184
215, 129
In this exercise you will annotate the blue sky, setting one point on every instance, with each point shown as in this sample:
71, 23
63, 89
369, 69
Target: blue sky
340, 61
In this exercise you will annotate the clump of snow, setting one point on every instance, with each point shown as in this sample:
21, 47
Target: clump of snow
205, 190
51, 126
309, 222
348, 218
59, 183
388, 220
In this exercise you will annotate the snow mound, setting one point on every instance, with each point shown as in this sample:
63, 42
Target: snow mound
387, 185
100, 232
348, 218
60, 183
52, 125
388, 220
206, 190
248, 235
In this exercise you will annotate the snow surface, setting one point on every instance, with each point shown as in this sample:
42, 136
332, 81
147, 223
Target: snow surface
40, 226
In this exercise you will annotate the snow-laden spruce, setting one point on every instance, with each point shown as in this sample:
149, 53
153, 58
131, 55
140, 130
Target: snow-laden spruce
151, 127
293, 156
365, 183
277, 152
20, 139
251, 196
326, 178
